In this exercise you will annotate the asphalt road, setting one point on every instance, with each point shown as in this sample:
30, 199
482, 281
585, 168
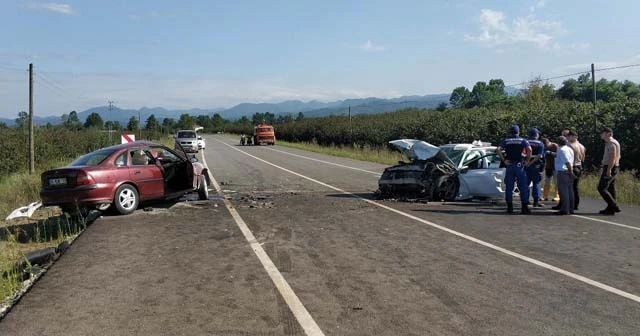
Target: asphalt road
352, 266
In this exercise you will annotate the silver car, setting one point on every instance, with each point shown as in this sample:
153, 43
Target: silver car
187, 140
449, 172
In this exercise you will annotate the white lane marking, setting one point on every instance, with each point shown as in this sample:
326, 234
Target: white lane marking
371, 172
607, 222
536, 262
307, 322
326, 162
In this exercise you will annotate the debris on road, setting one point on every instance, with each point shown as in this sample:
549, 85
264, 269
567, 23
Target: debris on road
25, 211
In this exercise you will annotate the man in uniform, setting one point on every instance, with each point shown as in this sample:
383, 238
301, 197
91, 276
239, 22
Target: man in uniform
517, 152
610, 166
549, 170
534, 166
579, 156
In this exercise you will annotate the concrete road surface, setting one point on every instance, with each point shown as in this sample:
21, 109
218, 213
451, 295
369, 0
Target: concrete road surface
299, 247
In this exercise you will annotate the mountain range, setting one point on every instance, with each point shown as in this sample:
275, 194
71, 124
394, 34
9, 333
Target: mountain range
312, 108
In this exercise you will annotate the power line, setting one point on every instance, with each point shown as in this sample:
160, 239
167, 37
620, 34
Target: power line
619, 67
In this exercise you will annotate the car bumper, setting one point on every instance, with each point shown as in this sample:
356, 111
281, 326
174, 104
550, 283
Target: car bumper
82, 195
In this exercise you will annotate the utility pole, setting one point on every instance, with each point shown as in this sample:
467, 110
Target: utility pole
350, 127
139, 127
595, 111
32, 166
109, 120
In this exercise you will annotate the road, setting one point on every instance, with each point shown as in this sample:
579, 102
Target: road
337, 262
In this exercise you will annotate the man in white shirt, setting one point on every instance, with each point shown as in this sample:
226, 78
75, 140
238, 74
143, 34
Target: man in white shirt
564, 170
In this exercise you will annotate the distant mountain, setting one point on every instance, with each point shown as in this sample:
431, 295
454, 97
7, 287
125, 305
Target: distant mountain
318, 109
312, 108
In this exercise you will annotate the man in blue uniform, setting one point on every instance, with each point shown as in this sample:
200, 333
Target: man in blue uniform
517, 152
534, 166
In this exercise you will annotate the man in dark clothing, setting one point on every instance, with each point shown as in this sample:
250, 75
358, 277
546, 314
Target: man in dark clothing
534, 166
517, 152
610, 167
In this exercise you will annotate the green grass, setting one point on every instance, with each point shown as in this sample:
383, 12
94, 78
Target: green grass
628, 186
19, 189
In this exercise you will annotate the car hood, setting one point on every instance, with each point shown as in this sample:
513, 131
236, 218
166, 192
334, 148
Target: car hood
419, 150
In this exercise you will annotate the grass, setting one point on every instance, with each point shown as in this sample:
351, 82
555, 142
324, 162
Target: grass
19, 189
628, 186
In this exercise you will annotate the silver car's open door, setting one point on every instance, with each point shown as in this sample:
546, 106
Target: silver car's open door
483, 176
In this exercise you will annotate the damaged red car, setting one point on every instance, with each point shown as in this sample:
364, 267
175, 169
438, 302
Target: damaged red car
120, 177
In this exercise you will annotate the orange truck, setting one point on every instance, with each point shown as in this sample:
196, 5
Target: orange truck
264, 133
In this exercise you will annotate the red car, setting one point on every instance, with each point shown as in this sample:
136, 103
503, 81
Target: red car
122, 176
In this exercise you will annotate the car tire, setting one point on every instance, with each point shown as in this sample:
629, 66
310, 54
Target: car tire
203, 190
448, 188
126, 199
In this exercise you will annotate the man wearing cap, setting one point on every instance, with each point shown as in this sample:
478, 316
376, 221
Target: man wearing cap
517, 152
534, 166
610, 166
579, 152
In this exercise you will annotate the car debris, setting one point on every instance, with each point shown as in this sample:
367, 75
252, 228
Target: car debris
450, 172
24, 211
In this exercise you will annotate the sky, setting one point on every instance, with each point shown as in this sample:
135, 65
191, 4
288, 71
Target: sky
209, 54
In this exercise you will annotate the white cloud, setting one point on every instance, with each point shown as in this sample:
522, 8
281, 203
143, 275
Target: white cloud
537, 5
133, 17
52, 7
496, 30
370, 46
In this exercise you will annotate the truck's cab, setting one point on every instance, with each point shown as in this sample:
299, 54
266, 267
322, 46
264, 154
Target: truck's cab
264, 133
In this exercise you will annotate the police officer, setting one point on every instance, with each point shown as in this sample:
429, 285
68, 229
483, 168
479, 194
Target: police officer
517, 152
534, 166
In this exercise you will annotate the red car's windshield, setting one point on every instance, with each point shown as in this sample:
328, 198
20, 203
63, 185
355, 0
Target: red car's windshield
93, 158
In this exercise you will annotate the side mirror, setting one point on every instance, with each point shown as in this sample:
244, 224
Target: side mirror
199, 138
464, 169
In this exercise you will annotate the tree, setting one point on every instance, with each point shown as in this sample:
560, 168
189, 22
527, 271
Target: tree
72, 121
133, 124
3, 125
442, 107
258, 118
115, 125
151, 123
218, 123
168, 125
243, 121
22, 120
300, 116
460, 97
480, 94
186, 121
94, 120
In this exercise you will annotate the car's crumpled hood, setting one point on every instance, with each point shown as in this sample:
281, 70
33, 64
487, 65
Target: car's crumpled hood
419, 150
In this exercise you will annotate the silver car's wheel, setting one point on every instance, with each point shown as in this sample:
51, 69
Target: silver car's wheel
203, 191
126, 199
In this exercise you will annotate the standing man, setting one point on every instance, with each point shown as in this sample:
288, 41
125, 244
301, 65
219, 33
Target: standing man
517, 152
564, 171
610, 167
579, 154
534, 166
550, 149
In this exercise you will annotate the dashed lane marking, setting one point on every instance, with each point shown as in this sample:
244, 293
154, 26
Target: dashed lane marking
522, 257
301, 314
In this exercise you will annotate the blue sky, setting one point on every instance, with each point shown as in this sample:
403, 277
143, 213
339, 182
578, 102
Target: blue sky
207, 54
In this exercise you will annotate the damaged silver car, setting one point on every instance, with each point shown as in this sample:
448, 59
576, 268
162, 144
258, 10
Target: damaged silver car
450, 172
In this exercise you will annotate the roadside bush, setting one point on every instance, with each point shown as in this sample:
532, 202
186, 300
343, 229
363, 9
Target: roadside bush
486, 124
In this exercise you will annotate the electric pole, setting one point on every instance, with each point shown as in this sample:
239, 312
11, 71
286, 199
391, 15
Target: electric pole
350, 127
32, 166
139, 127
595, 111
109, 120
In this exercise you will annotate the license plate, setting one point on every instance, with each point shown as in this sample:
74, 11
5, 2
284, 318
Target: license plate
57, 181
